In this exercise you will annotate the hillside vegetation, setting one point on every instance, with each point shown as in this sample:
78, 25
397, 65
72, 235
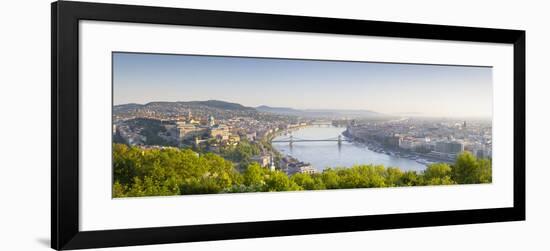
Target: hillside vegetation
162, 172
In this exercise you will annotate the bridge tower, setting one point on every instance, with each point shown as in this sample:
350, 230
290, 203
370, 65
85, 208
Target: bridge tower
340, 139
291, 140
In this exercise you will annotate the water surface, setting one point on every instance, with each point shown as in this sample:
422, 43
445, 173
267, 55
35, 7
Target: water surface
329, 154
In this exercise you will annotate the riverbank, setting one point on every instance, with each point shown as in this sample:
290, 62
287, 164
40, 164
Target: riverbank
286, 163
331, 154
378, 147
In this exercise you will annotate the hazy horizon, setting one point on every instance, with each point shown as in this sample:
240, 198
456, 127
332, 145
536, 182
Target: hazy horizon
386, 88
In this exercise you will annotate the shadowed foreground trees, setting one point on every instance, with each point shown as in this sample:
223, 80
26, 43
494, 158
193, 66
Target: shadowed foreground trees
154, 172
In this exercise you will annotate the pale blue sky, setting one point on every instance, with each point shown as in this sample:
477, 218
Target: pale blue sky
430, 90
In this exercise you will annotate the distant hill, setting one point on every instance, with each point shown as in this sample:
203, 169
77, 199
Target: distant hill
348, 113
209, 103
218, 107
179, 106
126, 107
279, 110
315, 113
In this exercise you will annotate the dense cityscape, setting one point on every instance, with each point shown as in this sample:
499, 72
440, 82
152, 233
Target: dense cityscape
244, 134
200, 124
426, 140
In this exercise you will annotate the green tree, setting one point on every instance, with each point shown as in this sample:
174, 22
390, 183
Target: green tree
410, 178
254, 175
469, 170
330, 178
118, 190
393, 177
279, 181
308, 181
139, 172
438, 174
485, 172
362, 176
171, 171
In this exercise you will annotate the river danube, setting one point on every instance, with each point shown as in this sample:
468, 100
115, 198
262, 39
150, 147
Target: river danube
329, 154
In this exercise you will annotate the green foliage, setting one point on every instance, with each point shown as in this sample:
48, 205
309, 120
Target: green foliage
410, 178
279, 181
439, 170
254, 175
308, 181
162, 172
393, 177
330, 178
140, 172
118, 190
438, 174
358, 176
470, 170
485, 174
241, 153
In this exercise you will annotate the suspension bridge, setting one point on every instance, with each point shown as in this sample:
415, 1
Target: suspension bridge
291, 139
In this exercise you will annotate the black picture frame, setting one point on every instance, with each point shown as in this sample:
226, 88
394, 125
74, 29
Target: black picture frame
65, 233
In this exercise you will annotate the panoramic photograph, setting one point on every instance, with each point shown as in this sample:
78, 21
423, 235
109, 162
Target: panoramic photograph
196, 124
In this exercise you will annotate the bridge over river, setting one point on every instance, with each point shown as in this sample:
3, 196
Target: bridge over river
322, 155
291, 139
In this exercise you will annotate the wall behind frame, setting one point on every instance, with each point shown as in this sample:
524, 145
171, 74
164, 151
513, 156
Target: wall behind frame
25, 100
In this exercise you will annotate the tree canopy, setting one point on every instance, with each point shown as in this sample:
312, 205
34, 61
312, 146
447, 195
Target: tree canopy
172, 171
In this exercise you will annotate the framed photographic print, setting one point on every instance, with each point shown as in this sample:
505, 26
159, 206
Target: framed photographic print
178, 125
